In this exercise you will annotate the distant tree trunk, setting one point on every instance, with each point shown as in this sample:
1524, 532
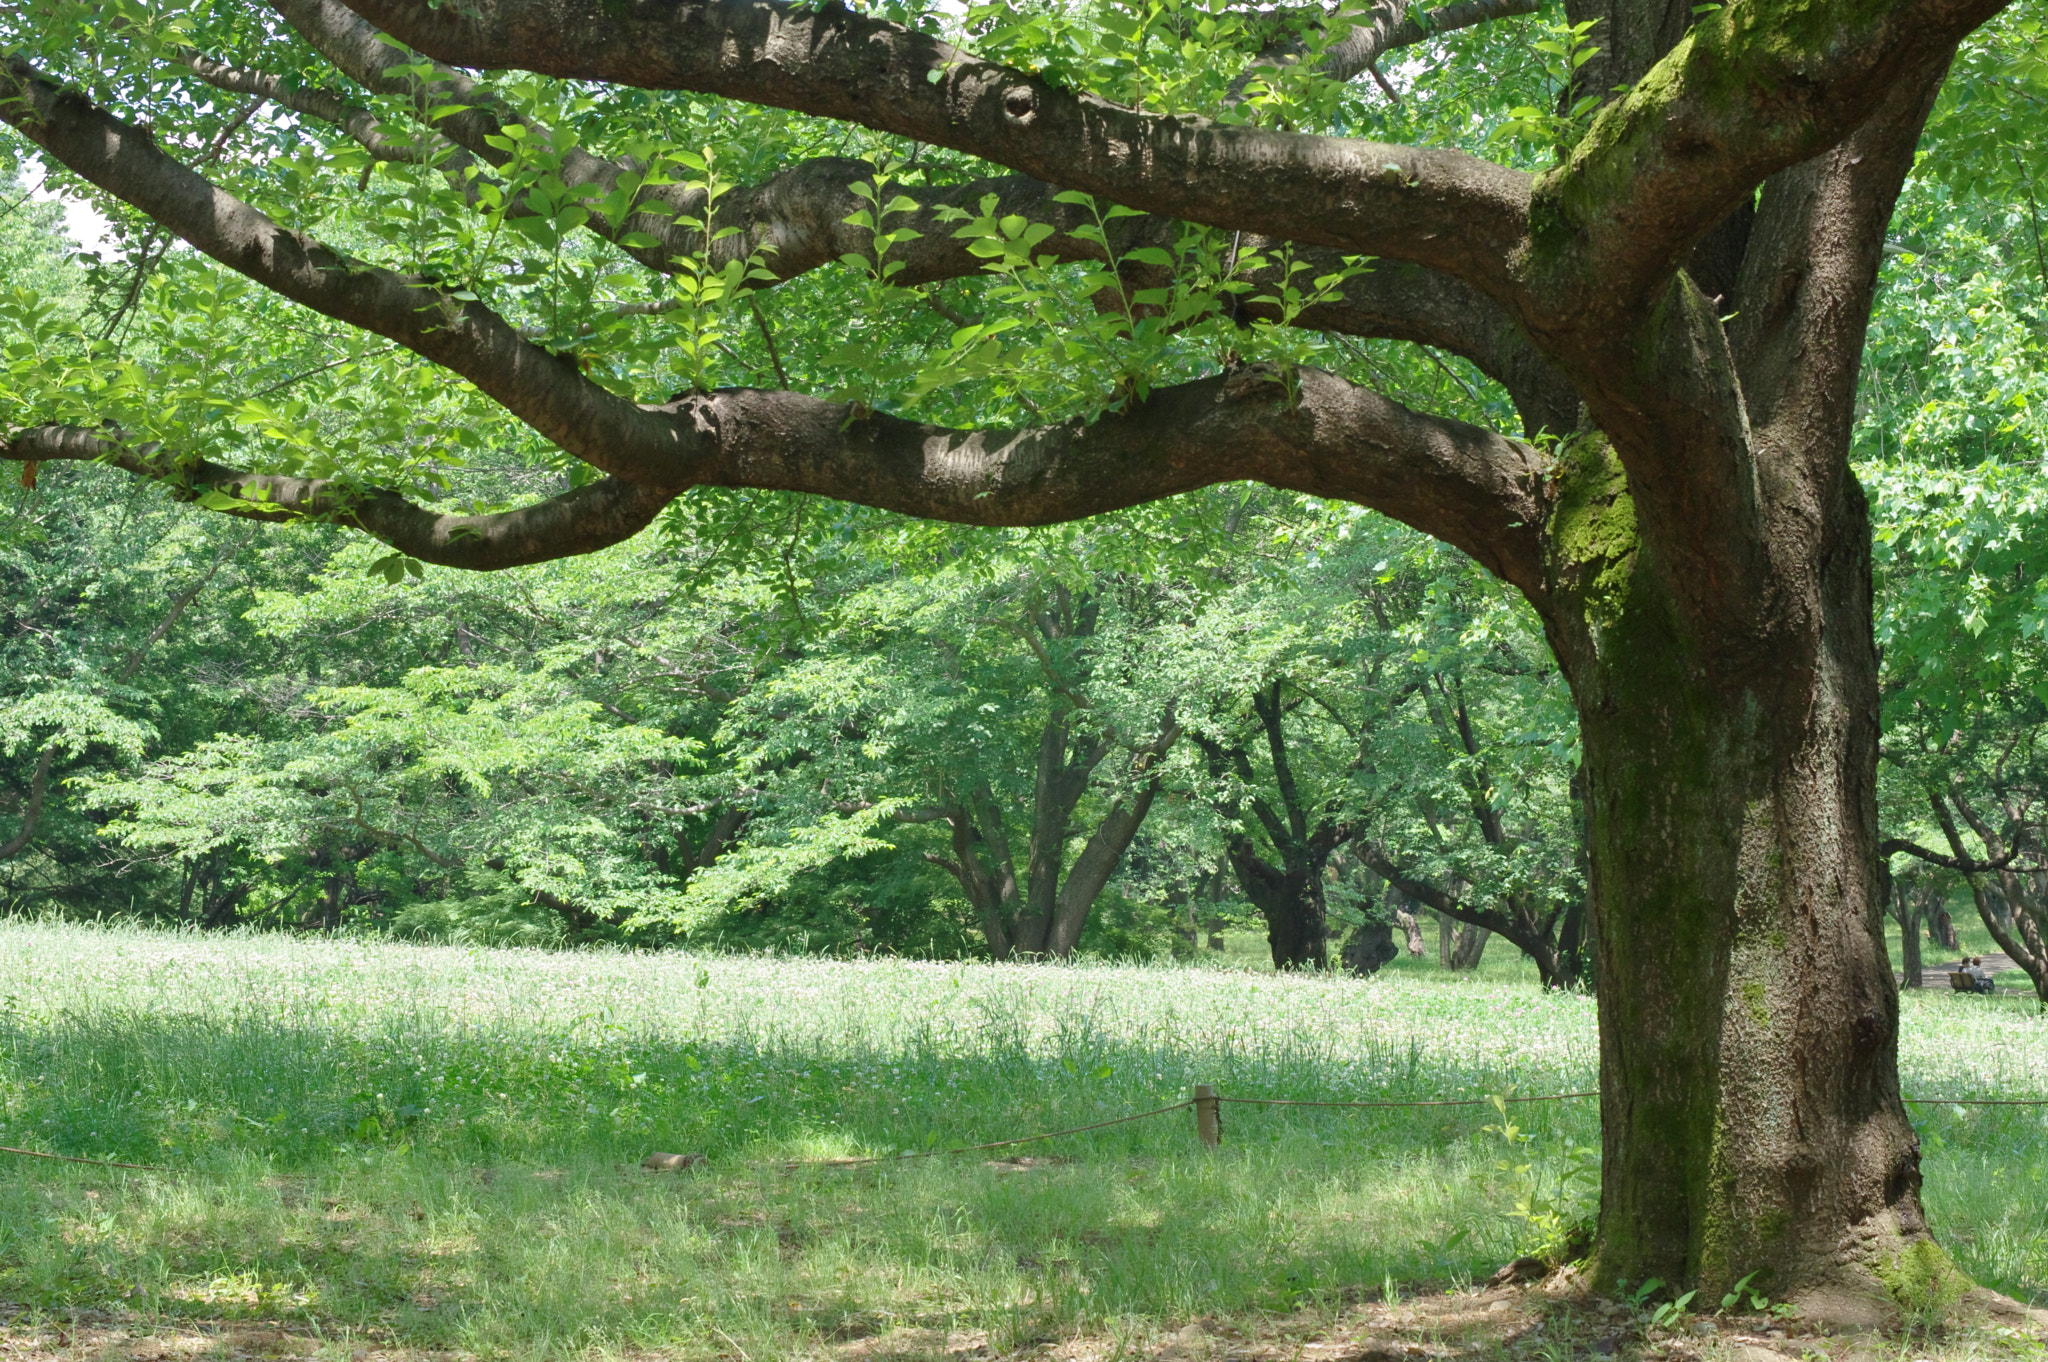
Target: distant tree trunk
1548, 933
330, 901
1370, 945
1463, 929
1903, 904
1043, 912
980, 863
1471, 945
1290, 898
1941, 925
1405, 920
1572, 955
32, 807
1287, 889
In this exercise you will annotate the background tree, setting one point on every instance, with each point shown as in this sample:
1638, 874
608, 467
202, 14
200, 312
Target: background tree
1957, 420
1019, 709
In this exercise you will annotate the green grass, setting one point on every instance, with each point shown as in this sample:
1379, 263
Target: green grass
438, 1146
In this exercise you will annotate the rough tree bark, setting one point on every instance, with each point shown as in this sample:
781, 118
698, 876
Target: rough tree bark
1683, 295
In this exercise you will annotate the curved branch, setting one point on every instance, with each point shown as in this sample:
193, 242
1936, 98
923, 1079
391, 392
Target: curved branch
1384, 26
796, 221
1892, 846
546, 392
1444, 209
585, 520
1308, 431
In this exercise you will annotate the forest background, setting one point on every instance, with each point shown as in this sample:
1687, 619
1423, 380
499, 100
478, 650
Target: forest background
785, 722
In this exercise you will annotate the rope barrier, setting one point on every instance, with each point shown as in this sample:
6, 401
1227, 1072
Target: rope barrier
1136, 1116
98, 1163
1447, 1102
993, 1144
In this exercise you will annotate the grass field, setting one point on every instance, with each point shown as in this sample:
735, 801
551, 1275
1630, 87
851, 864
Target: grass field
437, 1147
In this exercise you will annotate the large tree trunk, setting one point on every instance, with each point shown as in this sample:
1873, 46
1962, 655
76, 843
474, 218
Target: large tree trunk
1751, 1117
1710, 601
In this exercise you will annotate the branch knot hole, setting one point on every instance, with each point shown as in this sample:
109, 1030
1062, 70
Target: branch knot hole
1020, 103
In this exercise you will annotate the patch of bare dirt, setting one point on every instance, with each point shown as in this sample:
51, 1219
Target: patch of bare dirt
1554, 1320
90, 1336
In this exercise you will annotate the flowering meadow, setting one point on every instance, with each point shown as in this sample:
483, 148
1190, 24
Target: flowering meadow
441, 1144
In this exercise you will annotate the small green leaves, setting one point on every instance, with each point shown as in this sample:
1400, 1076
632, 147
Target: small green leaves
394, 568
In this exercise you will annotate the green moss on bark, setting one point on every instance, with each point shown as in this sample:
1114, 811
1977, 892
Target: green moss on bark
1592, 527
1924, 1281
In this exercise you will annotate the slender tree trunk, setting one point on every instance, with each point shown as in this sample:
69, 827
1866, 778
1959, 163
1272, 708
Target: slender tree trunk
1906, 911
1941, 924
1060, 782
1469, 946
32, 810
1091, 870
1571, 945
989, 881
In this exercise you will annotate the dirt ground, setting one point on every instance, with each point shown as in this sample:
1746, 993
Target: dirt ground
1549, 1322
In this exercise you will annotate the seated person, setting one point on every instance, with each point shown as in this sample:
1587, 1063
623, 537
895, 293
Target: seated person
1980, 978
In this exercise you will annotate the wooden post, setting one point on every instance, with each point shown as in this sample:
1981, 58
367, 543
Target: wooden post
1208, 1116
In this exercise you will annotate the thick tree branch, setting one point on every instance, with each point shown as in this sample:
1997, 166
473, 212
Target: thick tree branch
1444, 209
581, 521
796, 221
1751, 89
1310, 432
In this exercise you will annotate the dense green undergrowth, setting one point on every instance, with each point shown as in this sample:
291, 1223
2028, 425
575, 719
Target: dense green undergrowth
441, 1145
